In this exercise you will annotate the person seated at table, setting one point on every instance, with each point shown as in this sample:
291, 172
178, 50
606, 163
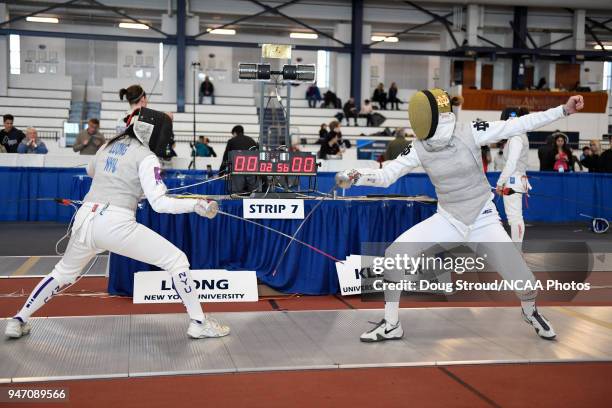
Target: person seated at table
239, 141
89, 140
31, 144
10, 136
561, 155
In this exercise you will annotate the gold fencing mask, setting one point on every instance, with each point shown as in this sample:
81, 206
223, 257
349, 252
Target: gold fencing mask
425, 108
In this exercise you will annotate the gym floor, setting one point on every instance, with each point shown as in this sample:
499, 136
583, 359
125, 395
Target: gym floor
26, 248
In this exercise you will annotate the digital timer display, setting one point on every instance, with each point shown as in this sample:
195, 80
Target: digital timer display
273, 163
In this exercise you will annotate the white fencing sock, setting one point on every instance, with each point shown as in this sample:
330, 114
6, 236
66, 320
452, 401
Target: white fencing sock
41, 294
186, 290
392, 313
528, 306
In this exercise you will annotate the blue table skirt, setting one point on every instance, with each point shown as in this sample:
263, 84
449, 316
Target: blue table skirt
336, 227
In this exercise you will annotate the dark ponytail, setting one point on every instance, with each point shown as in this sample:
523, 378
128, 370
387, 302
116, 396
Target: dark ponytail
132, 94
457, 100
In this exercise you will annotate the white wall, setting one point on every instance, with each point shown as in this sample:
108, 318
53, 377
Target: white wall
43, 56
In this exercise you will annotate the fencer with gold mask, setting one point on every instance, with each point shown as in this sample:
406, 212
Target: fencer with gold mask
449, 152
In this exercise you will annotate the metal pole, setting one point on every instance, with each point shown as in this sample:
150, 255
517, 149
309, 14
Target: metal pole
288, 118
520, 29
356, 50
180, 55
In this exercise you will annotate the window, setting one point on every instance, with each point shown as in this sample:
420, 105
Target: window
14, 54
607, 76
323, 69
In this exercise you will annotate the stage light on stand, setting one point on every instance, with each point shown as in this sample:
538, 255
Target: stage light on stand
289, 72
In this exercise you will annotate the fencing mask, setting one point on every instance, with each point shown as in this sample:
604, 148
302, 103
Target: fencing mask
424, 110
154, 129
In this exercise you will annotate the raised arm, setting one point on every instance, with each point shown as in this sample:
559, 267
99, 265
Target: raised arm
492, 132
405, 162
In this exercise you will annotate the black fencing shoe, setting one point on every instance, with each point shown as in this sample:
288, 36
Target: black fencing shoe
541, 324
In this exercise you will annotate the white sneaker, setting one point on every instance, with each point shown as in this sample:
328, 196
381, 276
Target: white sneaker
208, 328
541, 324
15, 328
382, 332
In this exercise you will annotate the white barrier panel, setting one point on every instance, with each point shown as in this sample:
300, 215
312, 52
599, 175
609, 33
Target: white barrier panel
52, 160
211, 285
348, 275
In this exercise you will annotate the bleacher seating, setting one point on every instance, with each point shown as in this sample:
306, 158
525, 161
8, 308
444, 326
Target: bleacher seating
44, 109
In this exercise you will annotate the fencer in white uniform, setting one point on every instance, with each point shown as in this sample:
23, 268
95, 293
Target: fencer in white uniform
450, 154
123, 170
514, 176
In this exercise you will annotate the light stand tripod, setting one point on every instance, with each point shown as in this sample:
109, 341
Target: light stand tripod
195, 66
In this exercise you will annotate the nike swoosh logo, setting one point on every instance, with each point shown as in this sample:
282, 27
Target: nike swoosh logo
389, 331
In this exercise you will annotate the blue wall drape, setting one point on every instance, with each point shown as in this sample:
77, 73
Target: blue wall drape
556, 197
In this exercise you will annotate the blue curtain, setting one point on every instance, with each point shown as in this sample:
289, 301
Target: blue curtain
556, 197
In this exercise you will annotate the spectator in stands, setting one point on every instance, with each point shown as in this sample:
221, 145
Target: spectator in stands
595, 160
397, 145
330, 147
366, 111
10, 136
203, 148
350, 111
334, 130
89, 140
331, 100
591, 155
31, 144
239, 141
380, 96
313, 95
541, 86
322, 133
485, 154
210, 148
544, 153
561, 155
606, 158
200, 148
393, 99
207, 89
499, 162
